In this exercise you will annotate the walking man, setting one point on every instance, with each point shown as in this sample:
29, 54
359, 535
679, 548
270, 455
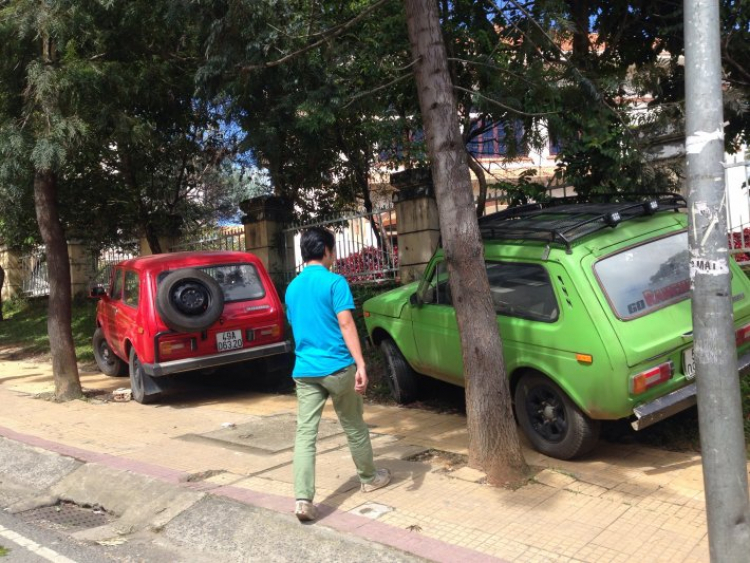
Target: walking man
329, 362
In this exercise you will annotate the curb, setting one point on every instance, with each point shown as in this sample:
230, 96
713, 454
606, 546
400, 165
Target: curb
334, 519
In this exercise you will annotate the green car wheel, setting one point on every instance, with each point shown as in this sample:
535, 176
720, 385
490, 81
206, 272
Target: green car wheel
402, 379
552, 422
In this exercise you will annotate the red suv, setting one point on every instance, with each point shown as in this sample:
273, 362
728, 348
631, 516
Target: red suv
172, 313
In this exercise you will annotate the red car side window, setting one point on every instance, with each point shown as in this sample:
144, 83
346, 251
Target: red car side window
117, 285
132, 287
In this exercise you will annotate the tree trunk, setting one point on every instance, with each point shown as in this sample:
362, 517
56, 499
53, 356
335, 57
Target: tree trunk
580, 13
2, 281
64, 367
493, 439
151, 237
482, 179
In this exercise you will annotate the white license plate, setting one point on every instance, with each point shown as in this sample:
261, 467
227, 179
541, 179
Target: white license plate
688, 364
229, 340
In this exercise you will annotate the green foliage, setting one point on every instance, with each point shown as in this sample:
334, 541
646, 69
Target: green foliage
103, 94
524, 191
4, 551
25, 327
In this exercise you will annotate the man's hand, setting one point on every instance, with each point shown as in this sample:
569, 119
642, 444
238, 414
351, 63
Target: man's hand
360, 380
349, 332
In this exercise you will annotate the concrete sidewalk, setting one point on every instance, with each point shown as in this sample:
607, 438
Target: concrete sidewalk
623, 503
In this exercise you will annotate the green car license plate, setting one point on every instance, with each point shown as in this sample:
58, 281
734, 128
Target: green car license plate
688, 364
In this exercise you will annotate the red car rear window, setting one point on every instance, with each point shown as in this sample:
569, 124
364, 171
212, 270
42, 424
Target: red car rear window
240, 282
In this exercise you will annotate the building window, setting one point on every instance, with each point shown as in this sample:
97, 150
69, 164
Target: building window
493, 141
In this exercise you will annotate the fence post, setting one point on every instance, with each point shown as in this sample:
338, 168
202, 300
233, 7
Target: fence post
82, 269
10, 260
418, 223
264, 220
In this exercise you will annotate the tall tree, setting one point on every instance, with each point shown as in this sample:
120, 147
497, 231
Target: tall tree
100, 124
493, 440
41, 126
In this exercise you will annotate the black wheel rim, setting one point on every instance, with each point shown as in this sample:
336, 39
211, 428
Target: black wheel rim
546, 412
190, 298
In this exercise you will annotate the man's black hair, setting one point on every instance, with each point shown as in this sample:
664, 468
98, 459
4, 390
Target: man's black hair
314, 242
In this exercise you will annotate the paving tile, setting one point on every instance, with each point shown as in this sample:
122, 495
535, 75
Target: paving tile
587, 489
468, 474
554, 479
622, 503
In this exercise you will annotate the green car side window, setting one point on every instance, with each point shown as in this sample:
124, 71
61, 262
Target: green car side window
438, 291
522, 290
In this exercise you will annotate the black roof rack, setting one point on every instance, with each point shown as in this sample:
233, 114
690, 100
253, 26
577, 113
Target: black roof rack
564, 220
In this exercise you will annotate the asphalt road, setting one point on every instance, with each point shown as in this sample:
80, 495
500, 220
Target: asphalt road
27, 543
192, 527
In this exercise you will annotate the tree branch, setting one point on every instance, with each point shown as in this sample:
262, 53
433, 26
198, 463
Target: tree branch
328, 34
381, 87
507, 108
494, 67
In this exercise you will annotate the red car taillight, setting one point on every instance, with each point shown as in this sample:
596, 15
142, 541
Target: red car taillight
742, 336
170, 348
645, 380
272, 331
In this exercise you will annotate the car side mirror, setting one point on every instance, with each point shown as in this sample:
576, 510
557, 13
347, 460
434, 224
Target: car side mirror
415, 300
97, 292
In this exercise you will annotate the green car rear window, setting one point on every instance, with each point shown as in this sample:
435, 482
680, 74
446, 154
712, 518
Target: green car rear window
645, 278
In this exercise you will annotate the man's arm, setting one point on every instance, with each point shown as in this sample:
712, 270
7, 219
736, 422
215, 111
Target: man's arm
349, 331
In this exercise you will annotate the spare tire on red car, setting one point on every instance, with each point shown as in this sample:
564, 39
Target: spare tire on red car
189, 300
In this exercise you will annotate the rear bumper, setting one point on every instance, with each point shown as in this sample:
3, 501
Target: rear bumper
674, 402
215, 360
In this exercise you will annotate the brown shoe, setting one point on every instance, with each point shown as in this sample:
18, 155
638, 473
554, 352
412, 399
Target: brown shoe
382, 478
305, 511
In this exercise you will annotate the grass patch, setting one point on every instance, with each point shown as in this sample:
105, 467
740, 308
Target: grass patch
3, 551
25, 327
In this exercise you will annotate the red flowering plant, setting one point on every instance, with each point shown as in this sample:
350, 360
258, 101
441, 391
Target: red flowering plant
736, 241
367, 265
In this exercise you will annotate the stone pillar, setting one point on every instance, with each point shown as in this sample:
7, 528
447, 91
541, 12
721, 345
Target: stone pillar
264, 222
418, 223
82, 267
11, 261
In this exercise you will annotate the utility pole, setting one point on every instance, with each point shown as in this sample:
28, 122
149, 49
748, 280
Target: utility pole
719, 401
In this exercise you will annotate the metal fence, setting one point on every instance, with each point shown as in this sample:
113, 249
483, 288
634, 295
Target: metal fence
366, 245
34, 272
104, 260
221, 238
737, 184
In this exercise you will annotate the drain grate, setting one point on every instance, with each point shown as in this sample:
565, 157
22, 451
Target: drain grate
67, 516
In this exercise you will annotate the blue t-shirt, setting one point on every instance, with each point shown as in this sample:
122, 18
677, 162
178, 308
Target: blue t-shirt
313, 300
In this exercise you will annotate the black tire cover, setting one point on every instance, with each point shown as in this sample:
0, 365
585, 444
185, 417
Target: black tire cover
189, 300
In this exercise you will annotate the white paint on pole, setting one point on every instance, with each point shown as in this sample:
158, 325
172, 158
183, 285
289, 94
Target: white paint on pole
33, 547
708, 267
695, 144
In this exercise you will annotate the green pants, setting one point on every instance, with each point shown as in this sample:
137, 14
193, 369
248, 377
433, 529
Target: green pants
312, 393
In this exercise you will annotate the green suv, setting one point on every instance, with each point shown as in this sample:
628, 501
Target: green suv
594, 309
